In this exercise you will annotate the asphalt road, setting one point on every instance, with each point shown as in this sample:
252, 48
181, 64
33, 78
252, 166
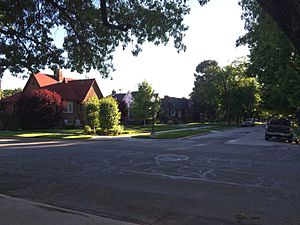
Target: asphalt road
203, 180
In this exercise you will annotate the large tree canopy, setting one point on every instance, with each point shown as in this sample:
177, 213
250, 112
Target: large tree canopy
95, 28
273, 60
93, 31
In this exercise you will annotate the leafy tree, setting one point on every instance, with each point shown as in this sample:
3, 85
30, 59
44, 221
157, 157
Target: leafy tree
143, 103
9, 92
223, 91
93, 31
92, 113
39, 109
205, 96
273, 60
109, 114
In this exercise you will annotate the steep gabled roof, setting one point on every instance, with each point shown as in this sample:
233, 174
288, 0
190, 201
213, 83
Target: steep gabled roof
44, 79
119, 96
175, 103
69, 89
73, 90
81, 87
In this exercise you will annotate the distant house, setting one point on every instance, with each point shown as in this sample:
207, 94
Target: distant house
176, 109
127, 98
73, 92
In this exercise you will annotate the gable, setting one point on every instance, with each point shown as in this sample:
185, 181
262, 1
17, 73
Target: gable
31, 84
93, 91
38, 80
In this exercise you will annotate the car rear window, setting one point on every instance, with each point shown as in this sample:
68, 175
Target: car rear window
281, 122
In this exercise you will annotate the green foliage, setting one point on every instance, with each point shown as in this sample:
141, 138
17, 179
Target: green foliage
92, 33
145, 104
39, 109
9, 92
273, 60
205, 96
92, 112
117, 130
240, 94
87, 130
224, 91
109, 114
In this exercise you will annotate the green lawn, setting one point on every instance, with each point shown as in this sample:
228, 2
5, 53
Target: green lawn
183, 133
164, 127
43, 134
135, 131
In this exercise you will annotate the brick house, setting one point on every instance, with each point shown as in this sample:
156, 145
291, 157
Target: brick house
175, 109
73, 92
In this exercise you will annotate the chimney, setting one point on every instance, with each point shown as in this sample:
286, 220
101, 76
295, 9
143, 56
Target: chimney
58, 75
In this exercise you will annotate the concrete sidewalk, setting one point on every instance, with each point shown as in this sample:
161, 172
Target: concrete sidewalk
16, 211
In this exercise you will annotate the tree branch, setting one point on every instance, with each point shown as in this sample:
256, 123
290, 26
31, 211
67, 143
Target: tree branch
19, 35
286, 13
103, 9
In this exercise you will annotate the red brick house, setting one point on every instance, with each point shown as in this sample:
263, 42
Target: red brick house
73, 92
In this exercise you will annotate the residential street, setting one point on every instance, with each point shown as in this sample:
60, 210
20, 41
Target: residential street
201, 180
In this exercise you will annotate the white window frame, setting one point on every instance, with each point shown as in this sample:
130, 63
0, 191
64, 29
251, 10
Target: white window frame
69, 107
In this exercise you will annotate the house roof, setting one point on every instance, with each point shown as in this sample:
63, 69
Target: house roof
74, 90
119, 97
175, 103
69, 89
44, 79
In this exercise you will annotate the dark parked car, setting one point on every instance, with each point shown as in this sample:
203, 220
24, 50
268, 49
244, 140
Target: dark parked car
248, 122
280, 128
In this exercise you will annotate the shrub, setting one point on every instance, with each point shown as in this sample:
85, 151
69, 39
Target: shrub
109, 115
87, 130
117, 130
92, 113
170, 122
39, 109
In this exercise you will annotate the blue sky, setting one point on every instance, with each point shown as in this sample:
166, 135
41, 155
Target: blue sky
213, 30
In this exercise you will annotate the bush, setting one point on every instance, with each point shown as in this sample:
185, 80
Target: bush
92, 112
109, 115
170, 122
117, 130
39, 109
87, 130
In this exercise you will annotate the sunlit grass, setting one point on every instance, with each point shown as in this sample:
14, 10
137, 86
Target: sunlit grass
35, 134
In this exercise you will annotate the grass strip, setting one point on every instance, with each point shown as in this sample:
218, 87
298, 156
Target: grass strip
50, 135
183, 133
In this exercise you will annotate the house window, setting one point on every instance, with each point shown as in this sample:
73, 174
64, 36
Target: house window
68, 108
173, 112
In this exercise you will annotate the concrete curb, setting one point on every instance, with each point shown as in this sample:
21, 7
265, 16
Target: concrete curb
17, 211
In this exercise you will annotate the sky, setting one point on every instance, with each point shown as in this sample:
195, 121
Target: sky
213, 31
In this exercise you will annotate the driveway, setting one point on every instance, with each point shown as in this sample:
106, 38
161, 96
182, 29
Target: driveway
208, 179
